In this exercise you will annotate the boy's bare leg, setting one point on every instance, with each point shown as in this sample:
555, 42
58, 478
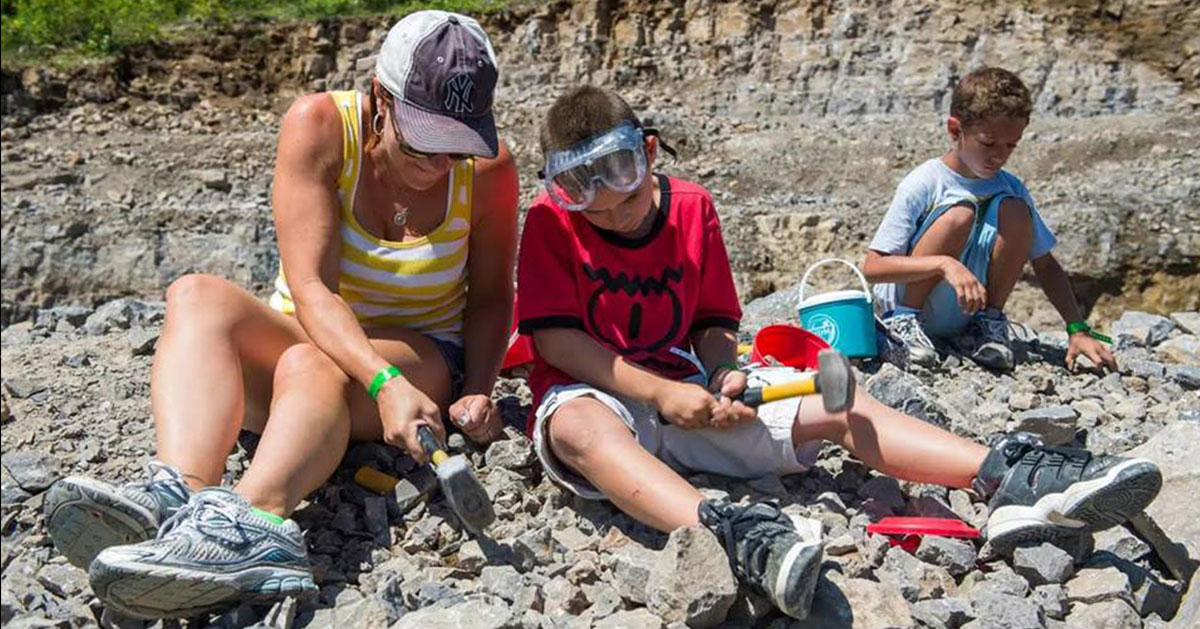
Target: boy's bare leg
946, 237
1010, 251
893, 443
591, 440
1050, 497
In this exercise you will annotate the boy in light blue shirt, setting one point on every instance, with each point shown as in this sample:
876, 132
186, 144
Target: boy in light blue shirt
956, 237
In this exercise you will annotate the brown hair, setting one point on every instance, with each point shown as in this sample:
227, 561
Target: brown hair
989, 92
372, 137
581, 113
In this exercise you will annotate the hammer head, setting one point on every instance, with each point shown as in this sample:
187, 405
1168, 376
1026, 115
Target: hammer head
835, 379
465, 493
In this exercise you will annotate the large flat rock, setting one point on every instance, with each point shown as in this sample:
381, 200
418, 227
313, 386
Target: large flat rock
1176, 451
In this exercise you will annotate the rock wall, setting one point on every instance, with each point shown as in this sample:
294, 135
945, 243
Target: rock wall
801, 117
871, 57
777, 57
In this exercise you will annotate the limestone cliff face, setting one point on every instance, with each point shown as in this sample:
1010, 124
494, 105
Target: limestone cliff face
800, 117
873, 56
834, 57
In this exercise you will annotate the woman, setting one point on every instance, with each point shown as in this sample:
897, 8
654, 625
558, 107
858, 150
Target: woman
377, 199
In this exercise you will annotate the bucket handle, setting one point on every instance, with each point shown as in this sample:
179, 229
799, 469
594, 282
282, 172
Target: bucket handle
853, 267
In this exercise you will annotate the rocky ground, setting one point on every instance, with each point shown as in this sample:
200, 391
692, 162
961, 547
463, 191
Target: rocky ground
801, 117
76, 402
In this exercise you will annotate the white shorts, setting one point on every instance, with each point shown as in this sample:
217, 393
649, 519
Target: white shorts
757, 448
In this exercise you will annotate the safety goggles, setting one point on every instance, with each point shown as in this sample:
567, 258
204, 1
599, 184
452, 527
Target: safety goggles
616, 159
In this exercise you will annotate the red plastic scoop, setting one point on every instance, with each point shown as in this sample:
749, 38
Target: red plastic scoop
906, 532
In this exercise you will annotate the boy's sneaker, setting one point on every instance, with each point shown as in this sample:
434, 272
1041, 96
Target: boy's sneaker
909, 343
215, 551
1041, 493
84, 516
777, 556
988, 341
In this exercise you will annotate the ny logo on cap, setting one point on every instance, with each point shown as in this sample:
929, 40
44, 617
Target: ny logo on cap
459, 91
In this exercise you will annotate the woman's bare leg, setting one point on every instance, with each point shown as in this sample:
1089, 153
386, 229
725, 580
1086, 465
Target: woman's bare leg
226, 359
891, 442
306, 433
212, 368
317, 409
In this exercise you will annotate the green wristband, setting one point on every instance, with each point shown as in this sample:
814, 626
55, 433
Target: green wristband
1080, 326
385, 374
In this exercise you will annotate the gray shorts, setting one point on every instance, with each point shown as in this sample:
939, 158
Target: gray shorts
757, 448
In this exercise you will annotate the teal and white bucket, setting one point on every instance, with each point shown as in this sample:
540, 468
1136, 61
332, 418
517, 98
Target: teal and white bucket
844, 318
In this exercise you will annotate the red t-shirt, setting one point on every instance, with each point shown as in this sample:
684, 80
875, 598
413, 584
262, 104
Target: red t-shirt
639, 297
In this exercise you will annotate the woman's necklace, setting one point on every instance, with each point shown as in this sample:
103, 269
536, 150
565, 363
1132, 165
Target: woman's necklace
399, 216
399, 209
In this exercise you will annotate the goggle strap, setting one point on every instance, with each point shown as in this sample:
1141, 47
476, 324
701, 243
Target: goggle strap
661, 142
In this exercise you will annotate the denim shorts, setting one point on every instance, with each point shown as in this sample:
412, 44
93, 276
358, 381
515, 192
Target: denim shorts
455, 358
942, 316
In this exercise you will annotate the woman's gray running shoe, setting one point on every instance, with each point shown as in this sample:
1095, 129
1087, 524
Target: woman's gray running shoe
213, 553
1041, 493
84, 516
778, 556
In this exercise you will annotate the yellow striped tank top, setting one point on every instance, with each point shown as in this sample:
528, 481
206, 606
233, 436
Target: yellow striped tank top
418, 284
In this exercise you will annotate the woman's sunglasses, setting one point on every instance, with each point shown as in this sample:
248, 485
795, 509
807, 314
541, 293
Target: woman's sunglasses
408, 150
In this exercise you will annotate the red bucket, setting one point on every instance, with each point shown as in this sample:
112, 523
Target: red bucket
788, 344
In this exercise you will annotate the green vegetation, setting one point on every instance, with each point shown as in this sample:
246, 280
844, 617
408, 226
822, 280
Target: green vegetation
57, 29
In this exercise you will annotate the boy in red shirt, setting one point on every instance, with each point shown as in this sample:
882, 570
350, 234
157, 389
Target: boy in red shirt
625, 286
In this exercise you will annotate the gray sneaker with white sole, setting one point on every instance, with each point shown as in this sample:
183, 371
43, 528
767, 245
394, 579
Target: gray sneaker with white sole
215, 552
908, 343
84, 515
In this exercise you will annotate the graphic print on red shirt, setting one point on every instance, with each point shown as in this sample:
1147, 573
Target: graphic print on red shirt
639, 297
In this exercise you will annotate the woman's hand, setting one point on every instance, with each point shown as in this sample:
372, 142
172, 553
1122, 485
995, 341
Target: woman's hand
730, 384
972, 296
402, 408
476, 415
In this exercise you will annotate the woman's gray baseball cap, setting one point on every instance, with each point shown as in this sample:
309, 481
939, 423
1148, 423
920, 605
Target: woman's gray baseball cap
442, 71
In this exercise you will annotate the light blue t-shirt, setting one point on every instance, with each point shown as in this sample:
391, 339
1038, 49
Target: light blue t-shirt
933, 185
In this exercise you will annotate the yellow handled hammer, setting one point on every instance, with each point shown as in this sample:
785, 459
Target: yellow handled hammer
460, 485
834, 380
